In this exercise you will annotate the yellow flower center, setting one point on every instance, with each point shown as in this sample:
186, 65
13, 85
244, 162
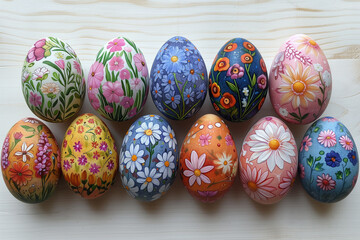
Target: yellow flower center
148, 179
167, 164
252, 186
133, 158
227, 101
171, 136
235, 70
152, 115
225, 162
174, 58
127, 188
312, 42
197, 172
298, 87
221, 64
274, 144
148, 132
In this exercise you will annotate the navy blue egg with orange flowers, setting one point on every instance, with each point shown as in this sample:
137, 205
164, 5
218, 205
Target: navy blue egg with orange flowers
178, 79
238, 80
328, 160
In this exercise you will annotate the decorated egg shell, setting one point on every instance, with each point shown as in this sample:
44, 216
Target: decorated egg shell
89, 160
208, 159
118, 81
179, 79
30, 161
300, 80
238, 80
149, 158
328, 161
53, 80
268, 161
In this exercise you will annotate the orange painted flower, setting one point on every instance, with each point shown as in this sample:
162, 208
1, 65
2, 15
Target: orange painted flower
75, 179
249, 46
227, 101
20, 173
91, 179
222, 64
230, 47
215, 90
84, 176
299, 87
216, 107
308, 44
246, 58
80, 129
261, 103
262, 65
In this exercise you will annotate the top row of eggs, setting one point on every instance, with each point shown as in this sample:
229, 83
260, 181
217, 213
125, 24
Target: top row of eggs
118, 83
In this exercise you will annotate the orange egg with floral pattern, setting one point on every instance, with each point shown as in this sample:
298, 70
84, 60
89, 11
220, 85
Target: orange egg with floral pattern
89, 159
208, 159
30, 161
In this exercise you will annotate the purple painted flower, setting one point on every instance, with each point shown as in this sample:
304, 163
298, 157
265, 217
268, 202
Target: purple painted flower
82, 160
77, 146
36, 52
5, 153
116, 64
103, 146
94, 168
124, 74
43, 161
127, 102
110, 165
35, 99
132, 112
229, 140
141, 64
67, 165
116, 45
262, 81
96, 75
235, 71
60, 63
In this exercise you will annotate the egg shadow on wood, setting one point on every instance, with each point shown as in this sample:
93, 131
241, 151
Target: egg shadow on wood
320, 208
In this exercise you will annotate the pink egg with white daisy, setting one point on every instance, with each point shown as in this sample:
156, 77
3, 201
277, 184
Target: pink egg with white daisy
268, 161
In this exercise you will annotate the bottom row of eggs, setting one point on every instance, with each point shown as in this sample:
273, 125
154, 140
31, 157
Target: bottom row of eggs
269, 161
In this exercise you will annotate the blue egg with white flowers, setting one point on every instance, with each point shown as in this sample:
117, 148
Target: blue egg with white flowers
149, 158
178, 79
328, 161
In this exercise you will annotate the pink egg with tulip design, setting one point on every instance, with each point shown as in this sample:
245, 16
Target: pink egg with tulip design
300, 80
268, 161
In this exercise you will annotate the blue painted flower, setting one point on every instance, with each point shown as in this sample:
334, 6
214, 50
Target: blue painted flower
174, 60
159, 106
190, 73
177, 39
333, 159
189, 49
161, 51
158, 71
168, 83
188, 95
352, 156
201, 91
157, 93
172, 99
199, 63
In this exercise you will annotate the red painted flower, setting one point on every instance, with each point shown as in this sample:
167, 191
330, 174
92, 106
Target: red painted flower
98, 130
215, 90
230, 47
249, 46
227, 101
20, 173
262, 65
222, 64
246, 58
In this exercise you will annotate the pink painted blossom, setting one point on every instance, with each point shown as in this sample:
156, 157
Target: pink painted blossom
325, 182
96, 75
109, 109
306, 143
302, 170
132, 112
77, 67
36, 52
67, 165
35, 99
197, 169
127, 102
262, 81
204, 139
329, 119
229, 140
124, 74
346, 142
112, 91
94, 101
128, 49
116, 45
140, 64
116, 64
136, 84
288, 181
327, 138
60, 63
40, 43
18, 135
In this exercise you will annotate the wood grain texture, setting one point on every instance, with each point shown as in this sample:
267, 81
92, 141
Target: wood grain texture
87, 25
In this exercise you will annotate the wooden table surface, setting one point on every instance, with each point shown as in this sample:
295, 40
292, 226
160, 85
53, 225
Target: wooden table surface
87, 25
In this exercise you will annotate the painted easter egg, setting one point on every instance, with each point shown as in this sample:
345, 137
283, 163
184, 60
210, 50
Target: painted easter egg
208, 159
238, 80
149, 158
118, 81
300, 80
53, 80
178, 79
328, 161
89, 160
268, 161
30, 161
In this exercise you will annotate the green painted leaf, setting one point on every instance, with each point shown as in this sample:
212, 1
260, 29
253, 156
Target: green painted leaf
219, 137
305, 116
347, 172
30, 136
76, 106
232, 86
107, 74
253, 80
318, 167
39, 128
310, 160
27, 128
339, 175
295, 115
316, 129
319, 102
345, 160
321, 152
68, 57
31, 64
318, 159
55, 102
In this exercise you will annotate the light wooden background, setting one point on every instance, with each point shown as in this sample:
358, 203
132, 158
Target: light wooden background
87, 25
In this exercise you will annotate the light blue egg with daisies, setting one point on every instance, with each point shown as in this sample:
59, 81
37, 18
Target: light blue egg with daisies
149, 158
